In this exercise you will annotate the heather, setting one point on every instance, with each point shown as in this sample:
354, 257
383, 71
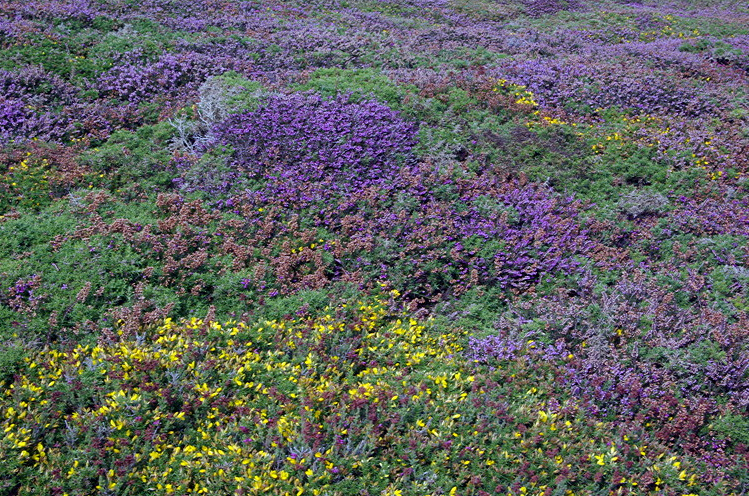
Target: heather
384, 248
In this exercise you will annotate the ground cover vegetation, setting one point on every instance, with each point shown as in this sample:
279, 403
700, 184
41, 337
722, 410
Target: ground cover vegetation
401, 247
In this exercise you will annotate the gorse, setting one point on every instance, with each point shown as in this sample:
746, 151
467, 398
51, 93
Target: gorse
381, 248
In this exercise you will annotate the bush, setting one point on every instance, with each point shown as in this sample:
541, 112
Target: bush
358, 83
638, 203
11, 360
171, 74
304, 137
128, 156
30, 106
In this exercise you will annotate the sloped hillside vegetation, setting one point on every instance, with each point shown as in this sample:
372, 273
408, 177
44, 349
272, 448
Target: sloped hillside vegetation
368, 247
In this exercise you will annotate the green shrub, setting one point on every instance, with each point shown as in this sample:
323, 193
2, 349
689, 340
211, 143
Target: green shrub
360, 83
130, 157
733, 427
236, 92
11, 361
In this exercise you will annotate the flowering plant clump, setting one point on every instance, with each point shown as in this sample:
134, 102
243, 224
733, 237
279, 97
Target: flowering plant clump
350, 401
303, 137
168, 75
30, 104
537, 8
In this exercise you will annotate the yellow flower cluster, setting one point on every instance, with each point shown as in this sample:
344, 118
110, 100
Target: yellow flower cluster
295, 406
519, 92
247, 394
